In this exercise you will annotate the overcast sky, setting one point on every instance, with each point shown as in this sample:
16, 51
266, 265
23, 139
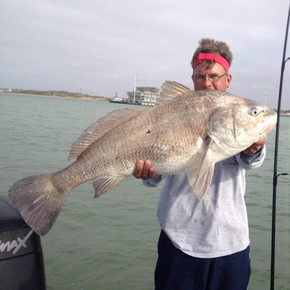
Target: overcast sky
96, 47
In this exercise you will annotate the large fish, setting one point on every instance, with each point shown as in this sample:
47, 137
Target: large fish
186, 131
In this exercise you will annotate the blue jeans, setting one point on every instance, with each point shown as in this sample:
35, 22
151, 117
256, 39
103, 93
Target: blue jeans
176, 270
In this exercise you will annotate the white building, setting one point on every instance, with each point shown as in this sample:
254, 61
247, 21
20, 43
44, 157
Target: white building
146, 96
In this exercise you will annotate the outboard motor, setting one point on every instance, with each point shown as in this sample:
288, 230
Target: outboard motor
21, 258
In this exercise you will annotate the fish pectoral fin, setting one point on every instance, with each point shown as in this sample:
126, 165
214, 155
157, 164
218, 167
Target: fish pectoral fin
201, 182
104, 183
200, 177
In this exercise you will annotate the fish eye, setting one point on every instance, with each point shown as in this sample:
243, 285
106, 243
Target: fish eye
255, 111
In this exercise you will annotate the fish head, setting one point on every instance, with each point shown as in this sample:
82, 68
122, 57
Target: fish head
253, 121
238, 123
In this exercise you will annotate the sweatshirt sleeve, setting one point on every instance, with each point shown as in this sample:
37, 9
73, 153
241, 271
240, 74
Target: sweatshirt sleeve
252, 161
153, 182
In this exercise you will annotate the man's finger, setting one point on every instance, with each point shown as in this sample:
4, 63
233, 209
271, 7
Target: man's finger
138, 168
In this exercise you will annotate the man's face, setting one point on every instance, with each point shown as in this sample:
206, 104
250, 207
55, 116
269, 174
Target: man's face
205, 78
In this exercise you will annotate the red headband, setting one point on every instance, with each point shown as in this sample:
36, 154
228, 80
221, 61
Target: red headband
210, 56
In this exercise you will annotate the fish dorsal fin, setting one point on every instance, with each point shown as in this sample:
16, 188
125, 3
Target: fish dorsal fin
171, 90
99, 129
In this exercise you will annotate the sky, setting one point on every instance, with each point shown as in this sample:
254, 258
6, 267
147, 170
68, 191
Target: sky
97, 47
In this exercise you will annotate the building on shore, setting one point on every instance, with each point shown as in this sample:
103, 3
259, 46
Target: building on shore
145, 96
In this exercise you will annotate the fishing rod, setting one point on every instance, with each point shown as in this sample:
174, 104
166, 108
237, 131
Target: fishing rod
275, 176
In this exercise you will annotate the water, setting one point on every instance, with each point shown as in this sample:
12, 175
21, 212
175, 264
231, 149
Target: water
110, 242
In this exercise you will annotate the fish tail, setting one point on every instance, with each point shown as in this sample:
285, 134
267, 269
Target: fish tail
39, 201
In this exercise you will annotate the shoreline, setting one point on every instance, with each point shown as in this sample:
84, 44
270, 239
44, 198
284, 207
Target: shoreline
100, 99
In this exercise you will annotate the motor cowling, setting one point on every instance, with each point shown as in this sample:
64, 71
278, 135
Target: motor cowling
21, 256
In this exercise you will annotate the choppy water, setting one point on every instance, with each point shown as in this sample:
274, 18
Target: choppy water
110, 242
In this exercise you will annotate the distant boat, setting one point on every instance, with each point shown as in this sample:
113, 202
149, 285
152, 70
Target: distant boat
118, 100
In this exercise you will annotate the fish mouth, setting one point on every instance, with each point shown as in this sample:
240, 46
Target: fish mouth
267, 128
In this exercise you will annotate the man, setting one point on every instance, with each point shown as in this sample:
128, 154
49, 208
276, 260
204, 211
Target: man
204, 244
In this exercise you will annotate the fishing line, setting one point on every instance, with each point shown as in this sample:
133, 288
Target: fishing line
275, 175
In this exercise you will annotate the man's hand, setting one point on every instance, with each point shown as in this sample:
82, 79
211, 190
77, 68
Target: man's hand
256, 146
144, 169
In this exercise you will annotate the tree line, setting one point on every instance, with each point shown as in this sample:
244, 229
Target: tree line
53, 94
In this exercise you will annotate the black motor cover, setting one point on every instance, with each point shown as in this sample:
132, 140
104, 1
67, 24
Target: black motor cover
21, 258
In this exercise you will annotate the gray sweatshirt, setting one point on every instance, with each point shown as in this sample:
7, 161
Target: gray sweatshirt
217, 225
